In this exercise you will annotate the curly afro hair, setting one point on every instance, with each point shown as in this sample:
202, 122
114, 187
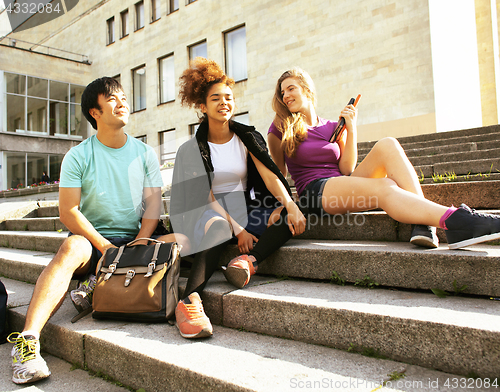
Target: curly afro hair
198, 78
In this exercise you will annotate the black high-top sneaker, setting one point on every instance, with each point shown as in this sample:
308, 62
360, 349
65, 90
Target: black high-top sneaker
468, 227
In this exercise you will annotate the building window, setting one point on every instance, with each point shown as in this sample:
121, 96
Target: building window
139, 15
16, 107
236, 54
168, 146
139, 83
44, 106
155, 10
124, 22
167, 79
59, 108
38, 87
173, 5
198, 50
25, 169
37, 116
242, 118
190, 1
193, 128
15, 84
142, 138
110, 25
77, 121
118, 78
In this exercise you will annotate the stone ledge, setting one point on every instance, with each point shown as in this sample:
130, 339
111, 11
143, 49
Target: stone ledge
155, 357
392, 264
30, 191
423, 329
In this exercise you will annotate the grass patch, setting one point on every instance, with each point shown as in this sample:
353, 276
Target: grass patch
421, 178
446, 177
366, 351
336, 279
110, 379
457, 290
366, 282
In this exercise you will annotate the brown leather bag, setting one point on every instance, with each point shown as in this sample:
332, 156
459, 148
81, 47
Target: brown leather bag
138, 282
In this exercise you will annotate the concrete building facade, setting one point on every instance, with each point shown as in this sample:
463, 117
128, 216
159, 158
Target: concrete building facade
422, 66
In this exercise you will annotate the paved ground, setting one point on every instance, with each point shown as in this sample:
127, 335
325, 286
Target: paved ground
63, 379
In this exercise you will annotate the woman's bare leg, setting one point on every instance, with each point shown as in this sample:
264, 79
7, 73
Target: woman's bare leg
355, 194
388, 159
384, 179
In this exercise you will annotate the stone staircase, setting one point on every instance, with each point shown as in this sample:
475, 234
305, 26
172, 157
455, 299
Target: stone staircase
349, 305
468, 153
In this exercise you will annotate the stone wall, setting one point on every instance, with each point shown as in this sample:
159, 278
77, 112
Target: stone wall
380, 49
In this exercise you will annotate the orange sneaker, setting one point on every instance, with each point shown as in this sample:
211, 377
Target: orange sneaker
239, 270
191, 318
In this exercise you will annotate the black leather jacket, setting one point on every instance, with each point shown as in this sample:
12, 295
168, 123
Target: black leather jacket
193, 175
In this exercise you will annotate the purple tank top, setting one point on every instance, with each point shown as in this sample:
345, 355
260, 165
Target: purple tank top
316, 157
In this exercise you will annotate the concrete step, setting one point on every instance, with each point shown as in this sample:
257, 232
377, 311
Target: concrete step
460, 168
24, 265
367, 226
469, 177
462, 152
434, 150
44, 241
391, 264
429, 330
444, 138
35, 224
481, 195
48, 211
64, 378
27, 209
421, 326
455, 157
449, 138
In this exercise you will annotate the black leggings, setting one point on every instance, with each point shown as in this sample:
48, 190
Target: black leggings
218, 237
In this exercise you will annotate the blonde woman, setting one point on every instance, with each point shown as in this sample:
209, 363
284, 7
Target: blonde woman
328, 180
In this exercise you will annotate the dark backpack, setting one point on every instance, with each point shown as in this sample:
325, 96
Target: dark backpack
3, 313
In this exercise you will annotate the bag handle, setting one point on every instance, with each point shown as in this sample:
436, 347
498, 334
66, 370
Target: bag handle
131, 243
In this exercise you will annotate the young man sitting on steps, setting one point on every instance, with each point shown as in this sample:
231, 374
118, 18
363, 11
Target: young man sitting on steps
106, 181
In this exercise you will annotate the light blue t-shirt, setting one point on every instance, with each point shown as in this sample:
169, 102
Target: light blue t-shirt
112, 182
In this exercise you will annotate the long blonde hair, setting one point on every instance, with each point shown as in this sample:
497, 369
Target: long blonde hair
292, 125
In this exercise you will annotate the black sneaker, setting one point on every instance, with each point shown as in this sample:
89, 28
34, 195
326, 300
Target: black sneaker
424, 236
467, 227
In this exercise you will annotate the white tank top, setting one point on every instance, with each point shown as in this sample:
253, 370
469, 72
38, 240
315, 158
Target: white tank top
230, 166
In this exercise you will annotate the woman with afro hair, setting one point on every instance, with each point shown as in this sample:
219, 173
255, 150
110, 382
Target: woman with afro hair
225, 188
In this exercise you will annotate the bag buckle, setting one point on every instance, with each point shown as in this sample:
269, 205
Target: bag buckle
128, 277
111, 269
151, 269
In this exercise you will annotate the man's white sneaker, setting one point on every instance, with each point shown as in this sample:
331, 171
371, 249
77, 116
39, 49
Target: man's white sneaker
27, 362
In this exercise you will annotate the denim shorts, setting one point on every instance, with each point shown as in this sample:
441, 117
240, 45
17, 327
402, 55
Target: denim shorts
311, 197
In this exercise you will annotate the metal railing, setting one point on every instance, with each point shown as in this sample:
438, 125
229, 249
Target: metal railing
42, 49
